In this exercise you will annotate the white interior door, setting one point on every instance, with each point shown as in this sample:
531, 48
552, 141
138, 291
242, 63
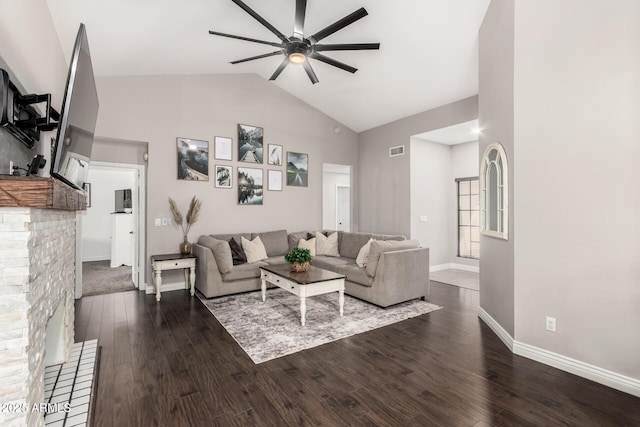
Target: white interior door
343, 208
336, 208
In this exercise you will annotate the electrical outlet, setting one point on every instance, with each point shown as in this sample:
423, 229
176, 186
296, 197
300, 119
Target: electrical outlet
158, 222
551, 324
164, 221
169, 221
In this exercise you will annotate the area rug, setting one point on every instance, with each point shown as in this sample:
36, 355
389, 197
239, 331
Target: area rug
272, 329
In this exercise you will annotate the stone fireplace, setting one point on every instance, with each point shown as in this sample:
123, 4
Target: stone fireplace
37, 282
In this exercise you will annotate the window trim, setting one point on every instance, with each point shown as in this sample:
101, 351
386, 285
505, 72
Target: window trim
458, 180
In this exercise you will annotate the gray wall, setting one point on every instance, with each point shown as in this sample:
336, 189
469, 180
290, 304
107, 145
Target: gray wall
158, 109
29, 48
577, 103
385, 182
430, 171
496, 44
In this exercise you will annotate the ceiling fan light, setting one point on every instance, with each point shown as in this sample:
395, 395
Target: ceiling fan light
297, 57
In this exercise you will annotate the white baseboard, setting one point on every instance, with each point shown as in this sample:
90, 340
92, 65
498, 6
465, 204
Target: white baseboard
95, 258
564, 363
496, 328
166, 287
454, 266
579, 368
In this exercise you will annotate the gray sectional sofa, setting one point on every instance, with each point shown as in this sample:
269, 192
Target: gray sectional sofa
397, 269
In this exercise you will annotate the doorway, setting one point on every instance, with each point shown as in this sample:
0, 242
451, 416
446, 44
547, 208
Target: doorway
336, 197
111, 243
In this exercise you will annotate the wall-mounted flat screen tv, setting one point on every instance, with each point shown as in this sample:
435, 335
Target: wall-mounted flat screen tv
71, 151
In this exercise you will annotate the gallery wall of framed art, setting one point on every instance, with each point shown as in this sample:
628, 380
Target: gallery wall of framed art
245, 173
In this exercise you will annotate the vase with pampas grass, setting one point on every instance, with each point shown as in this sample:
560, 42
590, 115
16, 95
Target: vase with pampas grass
187, 222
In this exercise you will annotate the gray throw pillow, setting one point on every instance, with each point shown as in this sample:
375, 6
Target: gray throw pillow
378, 247
221, 252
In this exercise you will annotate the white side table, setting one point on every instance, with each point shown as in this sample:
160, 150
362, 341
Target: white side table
159, 263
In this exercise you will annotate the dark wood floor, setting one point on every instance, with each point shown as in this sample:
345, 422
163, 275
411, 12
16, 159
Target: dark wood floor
173, 364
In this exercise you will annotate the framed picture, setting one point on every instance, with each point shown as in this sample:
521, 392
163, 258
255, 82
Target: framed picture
250, 144
297, 169
223, 148
224, 176
275, 155
274, 180
249, 186
87, 187
193, 159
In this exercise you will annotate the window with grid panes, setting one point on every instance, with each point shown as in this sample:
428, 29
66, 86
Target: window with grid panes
468, 217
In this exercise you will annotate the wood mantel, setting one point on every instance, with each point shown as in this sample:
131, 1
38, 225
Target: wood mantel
38, 192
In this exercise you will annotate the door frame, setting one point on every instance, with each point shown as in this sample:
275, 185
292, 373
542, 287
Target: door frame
139, 209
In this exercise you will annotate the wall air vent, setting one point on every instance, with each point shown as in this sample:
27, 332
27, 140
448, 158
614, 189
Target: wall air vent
396, 151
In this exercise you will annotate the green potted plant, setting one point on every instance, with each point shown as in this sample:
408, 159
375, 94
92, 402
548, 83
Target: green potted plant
299, 259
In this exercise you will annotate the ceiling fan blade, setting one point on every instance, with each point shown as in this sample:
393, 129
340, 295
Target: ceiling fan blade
333, 62
348, 46
310, 72
261, 20
336, 26
215, 33
281, 67
298, 23
266, 55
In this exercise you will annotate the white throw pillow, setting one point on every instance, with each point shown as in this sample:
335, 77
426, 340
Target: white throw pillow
254, 249
308, 244
327, 245
361, 260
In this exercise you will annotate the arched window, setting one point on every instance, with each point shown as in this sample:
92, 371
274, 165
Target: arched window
494, 192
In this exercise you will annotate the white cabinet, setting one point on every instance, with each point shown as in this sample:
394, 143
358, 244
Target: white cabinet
122, 244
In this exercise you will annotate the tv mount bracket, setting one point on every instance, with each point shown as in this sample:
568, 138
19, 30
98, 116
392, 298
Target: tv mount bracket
19, 117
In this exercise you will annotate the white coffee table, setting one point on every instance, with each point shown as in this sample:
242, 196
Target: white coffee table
306, 284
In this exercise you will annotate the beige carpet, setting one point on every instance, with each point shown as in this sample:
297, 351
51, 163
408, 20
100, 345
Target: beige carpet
99, 278
460, 278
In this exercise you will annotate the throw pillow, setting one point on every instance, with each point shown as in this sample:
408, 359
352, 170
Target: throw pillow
221, 252
378, 247
308, 244
361, 260
238, 255
327, 245
254, 249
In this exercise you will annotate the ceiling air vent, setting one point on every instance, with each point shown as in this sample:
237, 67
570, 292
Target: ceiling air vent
396, 151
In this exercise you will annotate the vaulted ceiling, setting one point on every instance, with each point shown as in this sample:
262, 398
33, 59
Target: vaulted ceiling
428, 55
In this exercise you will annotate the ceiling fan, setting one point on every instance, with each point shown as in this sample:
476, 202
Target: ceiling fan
298, 49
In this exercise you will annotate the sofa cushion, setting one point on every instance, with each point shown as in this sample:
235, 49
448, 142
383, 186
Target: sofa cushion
254, 249
350, 244
244, 271
363, 255
327, 245
388, 237
330, 263
294, 238
308, 244
221, 252
238, 255
356, 274
275, 260
275, 242
378, 247
237, 237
